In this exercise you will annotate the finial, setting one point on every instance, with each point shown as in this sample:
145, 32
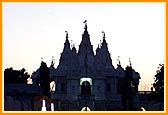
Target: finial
52, 62
100, 43
66, 34
119, 63
130, 61
41, 59
85, 24
103, 35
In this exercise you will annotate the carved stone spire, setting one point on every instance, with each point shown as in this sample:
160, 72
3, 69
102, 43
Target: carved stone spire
67, 41
66, 34
41, 59
104, 43
85, 25
64, 59
85, 45
119, 63
53, 61
103, 35
130, 61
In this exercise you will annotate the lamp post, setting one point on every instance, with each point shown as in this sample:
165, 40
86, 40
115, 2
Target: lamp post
52, 106
43, 106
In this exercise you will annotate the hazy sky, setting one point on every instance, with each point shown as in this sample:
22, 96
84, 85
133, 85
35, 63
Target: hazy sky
35, 30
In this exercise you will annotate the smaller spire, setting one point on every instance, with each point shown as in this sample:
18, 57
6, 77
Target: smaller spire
85, 24
130, 61
66, 34
66, 44
53, 61
41, 59
103, 35
104, 43
119, 63
73, 48
98, 48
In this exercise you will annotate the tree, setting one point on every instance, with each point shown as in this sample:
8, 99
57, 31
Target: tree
158, 85
128, 89
16, 76
45, 78
159, 79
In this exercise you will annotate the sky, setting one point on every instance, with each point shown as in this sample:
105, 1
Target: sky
32, 31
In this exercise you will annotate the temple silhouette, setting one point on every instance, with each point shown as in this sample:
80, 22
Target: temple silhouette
84, 79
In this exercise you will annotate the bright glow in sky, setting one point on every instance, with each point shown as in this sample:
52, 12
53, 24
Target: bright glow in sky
35, 30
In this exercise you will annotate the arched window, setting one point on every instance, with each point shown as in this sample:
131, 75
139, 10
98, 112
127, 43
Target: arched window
86, 88
86, 84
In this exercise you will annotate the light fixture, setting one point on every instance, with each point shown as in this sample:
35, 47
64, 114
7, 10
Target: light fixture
52, 106
43, 106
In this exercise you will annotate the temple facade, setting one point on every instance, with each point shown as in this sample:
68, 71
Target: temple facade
84, 79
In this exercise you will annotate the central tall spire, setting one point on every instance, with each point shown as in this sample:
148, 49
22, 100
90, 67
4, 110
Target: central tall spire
85, 42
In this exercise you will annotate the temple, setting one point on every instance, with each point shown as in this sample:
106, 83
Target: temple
84, 79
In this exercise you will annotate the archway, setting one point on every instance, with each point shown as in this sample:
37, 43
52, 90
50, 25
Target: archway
86, 84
